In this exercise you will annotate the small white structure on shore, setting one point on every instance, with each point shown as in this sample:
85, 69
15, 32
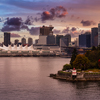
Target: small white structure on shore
74, 73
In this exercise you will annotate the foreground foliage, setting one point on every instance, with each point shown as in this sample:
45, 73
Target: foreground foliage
66, 67
81, 62
74, 54
89, 60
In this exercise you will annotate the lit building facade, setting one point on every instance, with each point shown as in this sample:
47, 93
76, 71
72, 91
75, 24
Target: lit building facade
44, 30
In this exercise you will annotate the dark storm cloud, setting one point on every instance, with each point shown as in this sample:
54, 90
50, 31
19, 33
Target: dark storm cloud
87, 23
13, 21
57, 12
73, 29
12, 24
29, 20
16, 24
10, 28
14, 35
24, 27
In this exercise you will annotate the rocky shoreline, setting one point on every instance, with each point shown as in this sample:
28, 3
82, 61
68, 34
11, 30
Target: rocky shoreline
79, 78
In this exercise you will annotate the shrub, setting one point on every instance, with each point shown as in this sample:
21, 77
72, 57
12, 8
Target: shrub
66, 67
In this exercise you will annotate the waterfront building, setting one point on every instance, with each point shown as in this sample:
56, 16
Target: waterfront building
23, 41
30, 50
44, 30
94, 36
99, 34
85, 40
30, 41
58, 37
65, 40
6, 38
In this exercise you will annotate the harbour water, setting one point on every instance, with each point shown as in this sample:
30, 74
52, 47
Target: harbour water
26, 78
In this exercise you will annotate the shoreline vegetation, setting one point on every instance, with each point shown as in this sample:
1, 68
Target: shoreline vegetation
87, 67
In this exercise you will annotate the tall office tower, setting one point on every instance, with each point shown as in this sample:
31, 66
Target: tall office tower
30, 41
85, 40
51, 40
64, 41
16, 42
6, 38
44, 30
99, 34
94, 36
23, 41
58, 39
42, 40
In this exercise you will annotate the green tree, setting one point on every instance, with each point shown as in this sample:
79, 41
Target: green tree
74, 54
81, 62
66, 67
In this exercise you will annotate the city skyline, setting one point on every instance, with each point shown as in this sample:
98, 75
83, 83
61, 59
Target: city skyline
24, 18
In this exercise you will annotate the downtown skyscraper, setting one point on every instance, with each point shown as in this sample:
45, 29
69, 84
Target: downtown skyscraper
6, 38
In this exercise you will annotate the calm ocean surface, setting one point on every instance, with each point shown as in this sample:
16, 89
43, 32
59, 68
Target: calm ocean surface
26, 78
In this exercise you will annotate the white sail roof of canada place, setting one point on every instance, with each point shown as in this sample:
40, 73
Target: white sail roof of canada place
15, 48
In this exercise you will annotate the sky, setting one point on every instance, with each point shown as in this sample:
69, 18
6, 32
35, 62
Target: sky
23, 18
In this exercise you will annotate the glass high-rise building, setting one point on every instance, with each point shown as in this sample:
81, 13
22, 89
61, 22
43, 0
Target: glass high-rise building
85, 40
6, 38
58, 37
51, 40
94, 36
